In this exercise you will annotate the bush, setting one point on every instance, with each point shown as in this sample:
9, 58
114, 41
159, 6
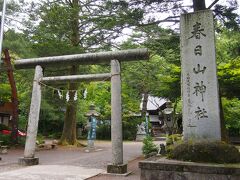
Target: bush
4, 127
174, 138
6, 139
148, 146
40, 139
231, 108
130, 127
104, 131
212, 152
56, 135
21, 141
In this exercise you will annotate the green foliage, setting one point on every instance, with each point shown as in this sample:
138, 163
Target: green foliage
51, 113
211, 152
40, 139
130, 127
99, 94
173, 139
227, 16
21, 141
170, 83
24, 88
229, 78
161, 75
227, 46
104, 131
231, 109
6, 139
149, 146
18, 44
3, 127
5, 95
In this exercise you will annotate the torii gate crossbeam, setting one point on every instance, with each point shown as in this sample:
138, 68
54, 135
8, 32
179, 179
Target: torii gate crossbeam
81, 59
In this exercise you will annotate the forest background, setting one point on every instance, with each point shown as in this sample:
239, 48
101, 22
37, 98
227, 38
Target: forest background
51, 28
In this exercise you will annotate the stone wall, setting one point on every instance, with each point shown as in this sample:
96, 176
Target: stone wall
163, 169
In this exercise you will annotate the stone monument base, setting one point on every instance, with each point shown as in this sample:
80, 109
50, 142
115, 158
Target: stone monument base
162, 169
90, 144
28, 161
140, 137
117, 169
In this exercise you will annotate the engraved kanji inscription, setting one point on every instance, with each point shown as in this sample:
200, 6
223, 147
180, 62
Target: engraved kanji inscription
198, 50
200, 88
197, 31
199, 70
201, 113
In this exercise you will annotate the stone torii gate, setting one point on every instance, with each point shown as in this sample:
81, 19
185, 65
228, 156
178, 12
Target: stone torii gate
112, 57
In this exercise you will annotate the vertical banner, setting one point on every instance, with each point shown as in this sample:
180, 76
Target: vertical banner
201, 113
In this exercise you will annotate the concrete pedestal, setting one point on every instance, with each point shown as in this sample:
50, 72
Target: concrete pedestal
90, 144
28, 161
117, 169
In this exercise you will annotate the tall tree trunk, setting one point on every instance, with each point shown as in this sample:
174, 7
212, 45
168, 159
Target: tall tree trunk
144, 104
199, 5
69, 129
224, 133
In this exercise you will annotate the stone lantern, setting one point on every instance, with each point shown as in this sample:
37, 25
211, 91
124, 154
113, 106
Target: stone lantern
168, 117
91, 126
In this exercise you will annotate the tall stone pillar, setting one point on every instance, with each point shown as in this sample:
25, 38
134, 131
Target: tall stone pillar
201, 113
29, 152
117, 165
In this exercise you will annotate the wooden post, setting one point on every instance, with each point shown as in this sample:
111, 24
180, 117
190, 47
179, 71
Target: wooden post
7, 60
33, 119
117, 165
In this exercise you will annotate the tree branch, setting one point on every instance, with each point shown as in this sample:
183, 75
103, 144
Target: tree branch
213, 3
160, 21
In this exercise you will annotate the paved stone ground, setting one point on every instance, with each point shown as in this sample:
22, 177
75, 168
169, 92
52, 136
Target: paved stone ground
132, 167
69, 163
50, 172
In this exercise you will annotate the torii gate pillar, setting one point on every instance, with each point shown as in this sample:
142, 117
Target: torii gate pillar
29, 152
117, 165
